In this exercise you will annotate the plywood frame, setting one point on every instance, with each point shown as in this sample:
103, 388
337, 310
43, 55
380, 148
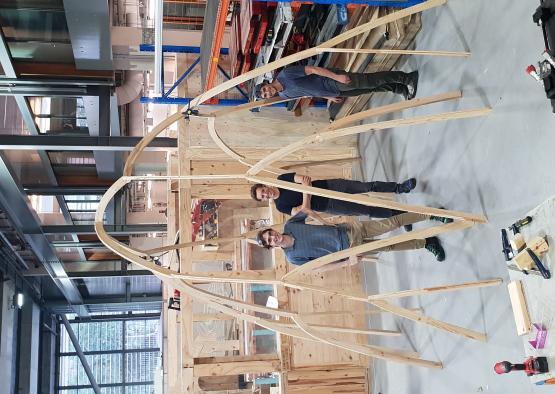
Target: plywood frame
243, 310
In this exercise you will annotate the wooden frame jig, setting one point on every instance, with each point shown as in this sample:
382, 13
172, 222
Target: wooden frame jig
295, 324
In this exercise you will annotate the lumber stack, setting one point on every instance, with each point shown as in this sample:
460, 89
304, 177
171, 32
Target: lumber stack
396, 35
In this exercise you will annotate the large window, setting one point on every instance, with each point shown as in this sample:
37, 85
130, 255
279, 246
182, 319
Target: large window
36, 30
123, 356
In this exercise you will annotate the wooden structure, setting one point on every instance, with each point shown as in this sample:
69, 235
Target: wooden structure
289, 320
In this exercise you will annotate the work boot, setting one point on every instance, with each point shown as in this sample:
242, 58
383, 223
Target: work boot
406, 186
433, 245
441, 219
412, 85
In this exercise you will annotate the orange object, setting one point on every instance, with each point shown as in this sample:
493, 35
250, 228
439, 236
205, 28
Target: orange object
217, 43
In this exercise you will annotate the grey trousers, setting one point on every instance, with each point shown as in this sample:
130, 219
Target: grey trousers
361, 232
383, 81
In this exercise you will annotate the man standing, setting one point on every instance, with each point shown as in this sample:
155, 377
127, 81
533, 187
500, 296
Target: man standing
303, 242
301, 81
291, 203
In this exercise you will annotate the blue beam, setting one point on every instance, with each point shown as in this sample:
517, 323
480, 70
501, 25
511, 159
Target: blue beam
375, 3
222, 102
177, 49
181, 78
187, 100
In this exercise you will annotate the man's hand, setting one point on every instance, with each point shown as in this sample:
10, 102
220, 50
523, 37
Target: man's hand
335, 99
343, 78
303, 179
306, 180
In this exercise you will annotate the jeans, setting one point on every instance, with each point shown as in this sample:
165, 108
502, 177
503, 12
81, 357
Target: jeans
383, 81
338, 207
361, 232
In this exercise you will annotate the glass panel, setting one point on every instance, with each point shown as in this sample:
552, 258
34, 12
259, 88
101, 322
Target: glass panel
83, 206
141, 334
112, 366
36, 31
11, 121
140, 367
59, 114
72, 158
27, 167
142, 389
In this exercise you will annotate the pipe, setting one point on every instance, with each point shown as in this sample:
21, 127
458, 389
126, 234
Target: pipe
131, 89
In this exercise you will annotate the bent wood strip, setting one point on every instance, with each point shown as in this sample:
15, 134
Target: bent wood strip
370, 246
395, 107
348, 330
395, 52
281, 327
229, 151
250, 105
369, 351
330, 135
417, 317
366, 200
436, 289
246, 236
261, 277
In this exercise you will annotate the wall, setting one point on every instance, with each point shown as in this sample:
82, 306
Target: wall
7, 341
29, 337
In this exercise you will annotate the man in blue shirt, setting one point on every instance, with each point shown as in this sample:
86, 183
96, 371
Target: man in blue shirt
291, 202
301, 81
302, 242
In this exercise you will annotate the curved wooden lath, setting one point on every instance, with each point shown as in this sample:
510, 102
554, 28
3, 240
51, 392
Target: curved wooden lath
240, 309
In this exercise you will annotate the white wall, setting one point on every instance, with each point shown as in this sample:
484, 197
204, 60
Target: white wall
7, 343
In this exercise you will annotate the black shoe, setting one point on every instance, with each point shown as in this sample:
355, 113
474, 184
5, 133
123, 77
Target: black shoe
408, 227
433, 245
412, 85
441, 219
406, 186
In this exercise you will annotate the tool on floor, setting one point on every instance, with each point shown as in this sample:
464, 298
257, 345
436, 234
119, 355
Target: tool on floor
520, 308
532, 366
540, 334
547, 381
516, 226
507, 251
544, 271
528, 257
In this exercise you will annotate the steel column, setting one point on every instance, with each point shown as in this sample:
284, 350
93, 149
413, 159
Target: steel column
82, 143
113, 229
40, 190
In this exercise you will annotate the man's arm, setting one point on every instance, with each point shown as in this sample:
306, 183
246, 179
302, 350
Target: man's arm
307, 181
324, 72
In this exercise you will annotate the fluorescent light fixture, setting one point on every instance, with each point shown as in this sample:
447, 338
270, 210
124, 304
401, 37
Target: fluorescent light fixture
18, 300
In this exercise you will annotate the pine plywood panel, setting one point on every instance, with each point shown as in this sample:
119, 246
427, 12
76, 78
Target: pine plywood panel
307, 353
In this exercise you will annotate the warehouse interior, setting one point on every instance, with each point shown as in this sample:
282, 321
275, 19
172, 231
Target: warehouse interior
82, 83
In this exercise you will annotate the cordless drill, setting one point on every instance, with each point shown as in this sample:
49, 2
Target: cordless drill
532, 366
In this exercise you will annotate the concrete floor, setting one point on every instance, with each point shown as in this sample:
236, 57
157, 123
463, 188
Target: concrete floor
500, 166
